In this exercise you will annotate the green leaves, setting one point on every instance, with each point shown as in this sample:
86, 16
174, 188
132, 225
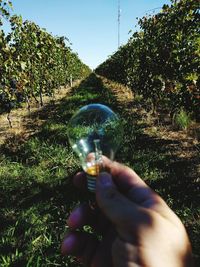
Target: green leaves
166, 47
4, 10
38, 61
23, 65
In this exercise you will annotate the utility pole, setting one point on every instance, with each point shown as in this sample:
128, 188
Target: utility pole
119, 22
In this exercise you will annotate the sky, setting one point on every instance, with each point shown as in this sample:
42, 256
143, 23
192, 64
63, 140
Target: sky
90, 25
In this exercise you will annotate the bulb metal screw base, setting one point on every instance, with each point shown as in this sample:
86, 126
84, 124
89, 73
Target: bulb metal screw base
91, 183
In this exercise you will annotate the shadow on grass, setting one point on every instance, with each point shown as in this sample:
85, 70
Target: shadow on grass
37, 193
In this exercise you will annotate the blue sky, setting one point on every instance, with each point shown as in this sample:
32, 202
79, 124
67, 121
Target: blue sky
90, 25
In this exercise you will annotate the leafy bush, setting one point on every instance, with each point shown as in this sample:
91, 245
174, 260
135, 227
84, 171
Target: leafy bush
161, 61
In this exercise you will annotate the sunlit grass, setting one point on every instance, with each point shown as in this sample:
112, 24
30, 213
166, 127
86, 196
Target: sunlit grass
36, 189
182, 120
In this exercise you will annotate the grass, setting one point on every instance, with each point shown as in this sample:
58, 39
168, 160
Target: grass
182, 120
36, 190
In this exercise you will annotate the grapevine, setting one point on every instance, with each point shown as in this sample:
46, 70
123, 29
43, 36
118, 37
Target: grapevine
33, 63
162, 60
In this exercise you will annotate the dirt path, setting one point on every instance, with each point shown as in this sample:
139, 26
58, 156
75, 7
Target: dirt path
24, 124
189, 145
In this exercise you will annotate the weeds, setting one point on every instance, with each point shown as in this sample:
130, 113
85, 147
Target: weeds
182, 120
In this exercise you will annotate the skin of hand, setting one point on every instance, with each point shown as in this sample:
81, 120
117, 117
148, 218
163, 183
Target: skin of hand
136, 226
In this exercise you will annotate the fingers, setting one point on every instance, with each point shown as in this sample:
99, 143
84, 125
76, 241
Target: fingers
127, 216
104, 252
124, 177
80, 180
79, 217
127, 181
87, 249
85, 215
80, 245
130, 184
125, 252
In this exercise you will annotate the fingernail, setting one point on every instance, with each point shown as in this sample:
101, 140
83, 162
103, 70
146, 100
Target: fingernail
68, 244
105, 179
74, 217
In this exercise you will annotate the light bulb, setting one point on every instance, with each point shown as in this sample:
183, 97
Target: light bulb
95, 130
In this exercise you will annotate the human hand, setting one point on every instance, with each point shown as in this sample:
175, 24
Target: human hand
136, 226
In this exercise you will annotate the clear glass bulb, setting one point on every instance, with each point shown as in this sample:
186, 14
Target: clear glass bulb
95, 130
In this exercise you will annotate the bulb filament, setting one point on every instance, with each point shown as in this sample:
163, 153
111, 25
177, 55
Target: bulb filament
96, 167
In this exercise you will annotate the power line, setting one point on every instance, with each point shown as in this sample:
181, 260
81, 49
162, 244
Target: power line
153, 9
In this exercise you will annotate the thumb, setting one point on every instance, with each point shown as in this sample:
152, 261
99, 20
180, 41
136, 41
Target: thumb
123, 213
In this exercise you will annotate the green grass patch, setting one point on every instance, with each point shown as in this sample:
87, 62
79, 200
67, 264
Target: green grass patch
182, 120
36, 190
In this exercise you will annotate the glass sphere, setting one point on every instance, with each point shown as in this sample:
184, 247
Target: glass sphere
93, 131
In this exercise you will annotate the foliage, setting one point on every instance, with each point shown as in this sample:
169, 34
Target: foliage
5, 6
162, 60
33, 63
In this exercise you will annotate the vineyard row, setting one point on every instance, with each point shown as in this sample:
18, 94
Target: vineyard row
161, 62
33, 63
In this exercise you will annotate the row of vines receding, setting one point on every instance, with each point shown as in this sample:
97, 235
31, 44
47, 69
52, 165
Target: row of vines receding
161, 62
33, 63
